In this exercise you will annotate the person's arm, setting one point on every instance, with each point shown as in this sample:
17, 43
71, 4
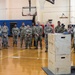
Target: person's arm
7, 28
55, 29
41, 30
12, 30
18, 31
45, 30
1, 29
52, 30
35, 32
31, 31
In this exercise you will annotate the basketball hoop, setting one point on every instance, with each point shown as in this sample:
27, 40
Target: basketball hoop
42, 2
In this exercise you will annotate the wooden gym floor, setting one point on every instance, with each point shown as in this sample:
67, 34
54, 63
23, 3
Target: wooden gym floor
17, 61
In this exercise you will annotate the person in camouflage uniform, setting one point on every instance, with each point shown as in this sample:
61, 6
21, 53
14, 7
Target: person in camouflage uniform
15, 32
0, 37
61, 29
70, 31
74, 38
57, 27
22, 33
38, 35
5, 32
5, 41
28, 36
48, 29
33, 32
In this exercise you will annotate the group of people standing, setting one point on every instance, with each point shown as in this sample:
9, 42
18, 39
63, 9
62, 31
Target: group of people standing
26, 34
60, 28
35, 32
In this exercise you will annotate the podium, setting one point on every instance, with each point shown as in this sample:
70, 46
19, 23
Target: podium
59, 53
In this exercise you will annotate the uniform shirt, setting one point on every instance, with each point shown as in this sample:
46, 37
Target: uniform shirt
61, 30
22, 30
70, 30
28, 32
74, 34
5, 29
15, 31
38, 30
48, 29
33, 29
57, 28
0, 30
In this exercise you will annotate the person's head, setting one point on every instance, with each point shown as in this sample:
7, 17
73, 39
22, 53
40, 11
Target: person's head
4, 23
50, 21
23, 24
74, 26
28, 26
70, 26
48, 24
15, 25
33, 24
63, 26
45, 25
38, 23
58, 23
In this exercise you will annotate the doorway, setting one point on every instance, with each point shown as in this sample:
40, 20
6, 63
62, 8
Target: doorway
11, 26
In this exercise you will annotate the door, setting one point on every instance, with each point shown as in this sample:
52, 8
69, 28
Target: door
11, 26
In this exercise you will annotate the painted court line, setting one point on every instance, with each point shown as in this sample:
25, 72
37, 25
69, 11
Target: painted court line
10, 55
17, 57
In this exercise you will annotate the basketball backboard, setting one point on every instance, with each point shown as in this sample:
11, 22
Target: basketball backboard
26, 12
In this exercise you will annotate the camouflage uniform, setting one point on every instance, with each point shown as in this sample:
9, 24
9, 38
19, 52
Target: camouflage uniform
0, 37
5, 41
4, 33
47, 29
0, 29
22, 34
57, 28
61, 30
74, 39
15, 32
33, 33
28, 37
70, 31
38, 36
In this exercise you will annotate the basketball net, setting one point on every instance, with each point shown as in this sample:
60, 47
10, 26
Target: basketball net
41, 3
